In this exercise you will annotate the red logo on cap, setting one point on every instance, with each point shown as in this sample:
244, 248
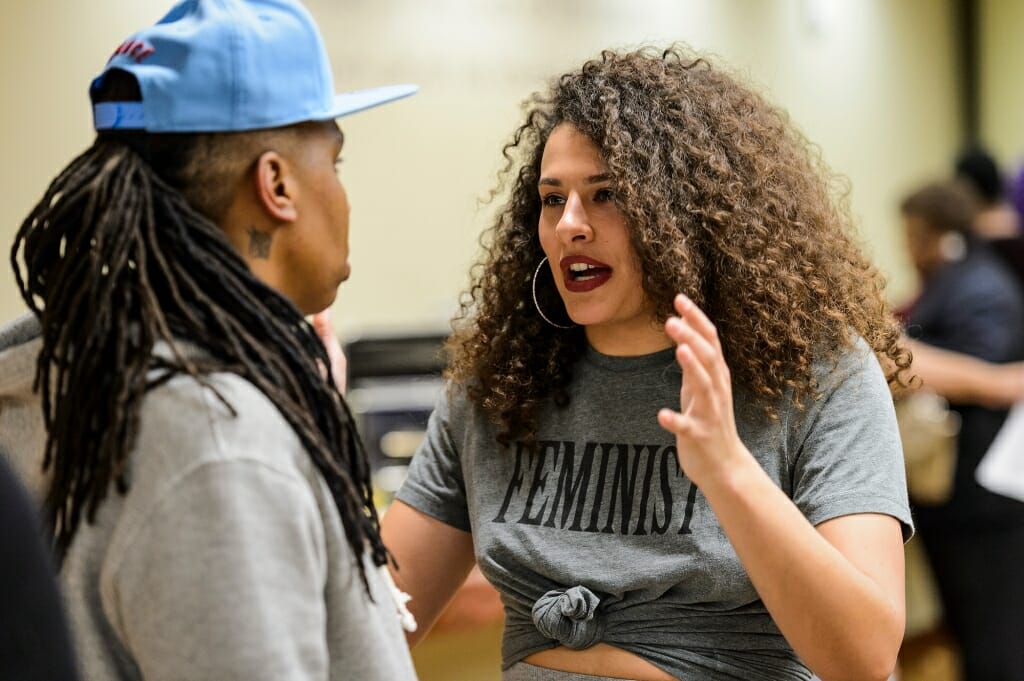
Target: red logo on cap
136, 49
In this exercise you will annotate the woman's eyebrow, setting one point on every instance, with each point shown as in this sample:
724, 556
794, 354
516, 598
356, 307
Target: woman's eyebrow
592, 179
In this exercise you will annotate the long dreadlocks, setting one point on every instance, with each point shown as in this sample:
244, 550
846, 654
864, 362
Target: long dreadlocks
117, 260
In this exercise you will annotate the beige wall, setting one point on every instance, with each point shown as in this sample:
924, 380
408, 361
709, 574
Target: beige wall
1002, 87
871, 81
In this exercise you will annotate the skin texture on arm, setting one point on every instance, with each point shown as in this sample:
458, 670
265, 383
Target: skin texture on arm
835, 591
967, 380
433, 560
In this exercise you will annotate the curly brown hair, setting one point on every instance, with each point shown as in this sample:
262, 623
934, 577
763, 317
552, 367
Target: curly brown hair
726, 202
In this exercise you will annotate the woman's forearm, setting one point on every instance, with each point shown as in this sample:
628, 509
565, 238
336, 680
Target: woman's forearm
843, 619
967, 380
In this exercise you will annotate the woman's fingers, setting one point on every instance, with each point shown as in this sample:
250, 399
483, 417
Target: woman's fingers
683, 334
696, 377
706, 393
707, 354
673, 421
325, 330
704, 425
696, 318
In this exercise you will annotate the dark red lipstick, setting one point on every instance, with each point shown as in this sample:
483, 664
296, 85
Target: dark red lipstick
582, 274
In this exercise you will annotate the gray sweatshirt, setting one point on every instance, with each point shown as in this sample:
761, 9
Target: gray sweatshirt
225, 560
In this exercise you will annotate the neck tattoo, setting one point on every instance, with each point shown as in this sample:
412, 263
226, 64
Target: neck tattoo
259, 244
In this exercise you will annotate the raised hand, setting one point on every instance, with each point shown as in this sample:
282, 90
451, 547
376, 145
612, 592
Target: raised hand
705, 427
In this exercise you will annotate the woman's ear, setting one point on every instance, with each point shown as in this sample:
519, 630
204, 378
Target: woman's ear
276, 187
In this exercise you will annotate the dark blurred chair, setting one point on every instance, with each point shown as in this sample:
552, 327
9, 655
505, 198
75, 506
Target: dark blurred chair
393, 384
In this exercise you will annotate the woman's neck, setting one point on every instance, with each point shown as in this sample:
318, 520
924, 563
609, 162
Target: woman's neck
620, 340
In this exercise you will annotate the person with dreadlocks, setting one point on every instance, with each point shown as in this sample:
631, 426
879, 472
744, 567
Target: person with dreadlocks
208, 494
705, 486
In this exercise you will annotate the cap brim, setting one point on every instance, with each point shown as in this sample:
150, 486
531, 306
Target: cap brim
352, 102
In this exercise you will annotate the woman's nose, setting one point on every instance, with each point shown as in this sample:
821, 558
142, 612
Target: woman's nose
574, 224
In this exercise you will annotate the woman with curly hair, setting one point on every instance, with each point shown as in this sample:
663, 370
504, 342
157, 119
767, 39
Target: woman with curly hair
667, 486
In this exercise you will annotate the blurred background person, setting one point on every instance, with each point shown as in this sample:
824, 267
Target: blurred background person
996, 219
1015, 191
969, 304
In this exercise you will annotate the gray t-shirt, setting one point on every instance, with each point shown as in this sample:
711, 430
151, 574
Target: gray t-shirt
598, 535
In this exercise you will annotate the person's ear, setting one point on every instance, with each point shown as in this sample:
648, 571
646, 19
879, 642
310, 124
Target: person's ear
276, 187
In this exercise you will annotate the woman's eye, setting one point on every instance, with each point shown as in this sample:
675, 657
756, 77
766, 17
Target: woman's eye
552, 200
603, 195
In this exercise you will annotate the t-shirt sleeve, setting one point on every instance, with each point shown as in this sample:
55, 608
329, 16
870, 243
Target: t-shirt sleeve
848, 454
435, 484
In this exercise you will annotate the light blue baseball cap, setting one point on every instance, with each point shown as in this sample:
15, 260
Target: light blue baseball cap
230, 65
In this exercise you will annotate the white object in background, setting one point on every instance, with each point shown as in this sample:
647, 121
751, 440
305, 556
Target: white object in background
1002, 468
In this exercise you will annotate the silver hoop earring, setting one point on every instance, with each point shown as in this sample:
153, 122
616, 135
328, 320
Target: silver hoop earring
536, 303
